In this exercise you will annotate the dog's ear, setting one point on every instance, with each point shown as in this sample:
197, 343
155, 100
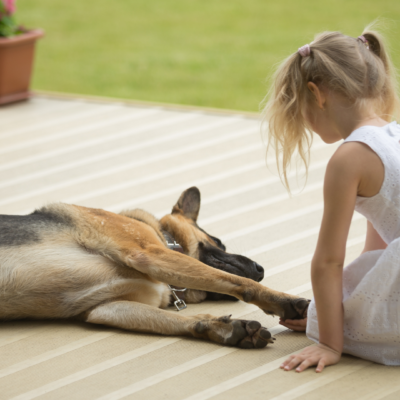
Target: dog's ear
188, 204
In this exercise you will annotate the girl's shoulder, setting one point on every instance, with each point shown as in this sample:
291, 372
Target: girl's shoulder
364, 150
355, 167
369, 151
354, 156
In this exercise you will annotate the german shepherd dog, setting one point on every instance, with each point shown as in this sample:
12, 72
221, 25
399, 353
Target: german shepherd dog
68, 261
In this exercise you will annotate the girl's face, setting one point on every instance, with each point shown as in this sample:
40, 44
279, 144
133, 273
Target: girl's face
320, 121
327, 113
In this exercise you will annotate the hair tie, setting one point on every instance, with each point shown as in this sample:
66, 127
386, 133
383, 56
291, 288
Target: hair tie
365, 41
305, 50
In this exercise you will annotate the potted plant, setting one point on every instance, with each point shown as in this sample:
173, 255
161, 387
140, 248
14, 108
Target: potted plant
17, 46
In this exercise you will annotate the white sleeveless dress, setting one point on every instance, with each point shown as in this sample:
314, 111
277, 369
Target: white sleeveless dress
371, 283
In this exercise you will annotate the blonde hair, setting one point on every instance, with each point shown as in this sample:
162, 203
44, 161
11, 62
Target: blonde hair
342, 64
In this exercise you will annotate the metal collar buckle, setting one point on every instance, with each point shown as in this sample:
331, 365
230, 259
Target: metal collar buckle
175, 246
179, 303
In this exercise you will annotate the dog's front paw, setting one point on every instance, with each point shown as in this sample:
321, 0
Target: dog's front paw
296, 309
286, 306
234, 332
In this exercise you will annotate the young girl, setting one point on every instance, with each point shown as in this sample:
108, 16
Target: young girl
343, 88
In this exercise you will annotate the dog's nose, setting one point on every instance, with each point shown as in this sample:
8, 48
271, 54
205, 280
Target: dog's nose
260, 271
259, 268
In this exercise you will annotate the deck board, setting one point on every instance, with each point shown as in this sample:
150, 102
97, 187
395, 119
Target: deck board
116, 156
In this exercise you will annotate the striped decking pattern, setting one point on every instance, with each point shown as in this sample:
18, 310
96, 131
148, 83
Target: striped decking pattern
116, 156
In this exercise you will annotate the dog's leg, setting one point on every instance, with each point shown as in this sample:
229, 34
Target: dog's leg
143, 318
183, 271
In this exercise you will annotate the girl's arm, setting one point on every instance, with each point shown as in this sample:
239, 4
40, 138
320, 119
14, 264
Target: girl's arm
340, 192
341, 184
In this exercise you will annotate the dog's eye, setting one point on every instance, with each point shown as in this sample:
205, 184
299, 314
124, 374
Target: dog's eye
218, 243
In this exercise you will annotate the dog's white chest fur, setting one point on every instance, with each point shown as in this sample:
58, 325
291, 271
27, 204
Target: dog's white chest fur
156, 294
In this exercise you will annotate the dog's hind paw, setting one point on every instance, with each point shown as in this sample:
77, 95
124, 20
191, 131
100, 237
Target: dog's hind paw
234, 332
258, 337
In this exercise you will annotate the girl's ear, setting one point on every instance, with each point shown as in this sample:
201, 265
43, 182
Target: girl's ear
318, 94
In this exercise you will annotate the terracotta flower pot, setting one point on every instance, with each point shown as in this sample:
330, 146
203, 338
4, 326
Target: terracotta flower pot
16, 63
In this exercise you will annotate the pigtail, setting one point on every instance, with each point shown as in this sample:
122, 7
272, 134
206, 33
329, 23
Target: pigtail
283, 115
389, 104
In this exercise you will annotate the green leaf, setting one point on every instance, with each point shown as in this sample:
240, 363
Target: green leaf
8, 27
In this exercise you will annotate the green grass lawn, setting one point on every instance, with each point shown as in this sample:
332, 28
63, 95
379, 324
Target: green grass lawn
215, 53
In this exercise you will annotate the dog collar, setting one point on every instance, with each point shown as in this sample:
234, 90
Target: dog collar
171, 243
178, 294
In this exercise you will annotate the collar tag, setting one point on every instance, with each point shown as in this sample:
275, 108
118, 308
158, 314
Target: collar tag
179, 303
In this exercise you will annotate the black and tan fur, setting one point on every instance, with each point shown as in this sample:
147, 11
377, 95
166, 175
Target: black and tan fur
66, 261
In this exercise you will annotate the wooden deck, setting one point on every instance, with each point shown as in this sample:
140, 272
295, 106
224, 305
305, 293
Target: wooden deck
117, 156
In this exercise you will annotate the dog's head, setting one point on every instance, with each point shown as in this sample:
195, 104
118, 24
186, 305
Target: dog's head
197, 243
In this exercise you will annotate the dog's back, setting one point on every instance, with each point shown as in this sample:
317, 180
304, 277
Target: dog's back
25, 230
42, 268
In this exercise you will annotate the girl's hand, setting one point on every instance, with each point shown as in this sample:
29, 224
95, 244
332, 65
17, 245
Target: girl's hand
298, 325
319, 355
